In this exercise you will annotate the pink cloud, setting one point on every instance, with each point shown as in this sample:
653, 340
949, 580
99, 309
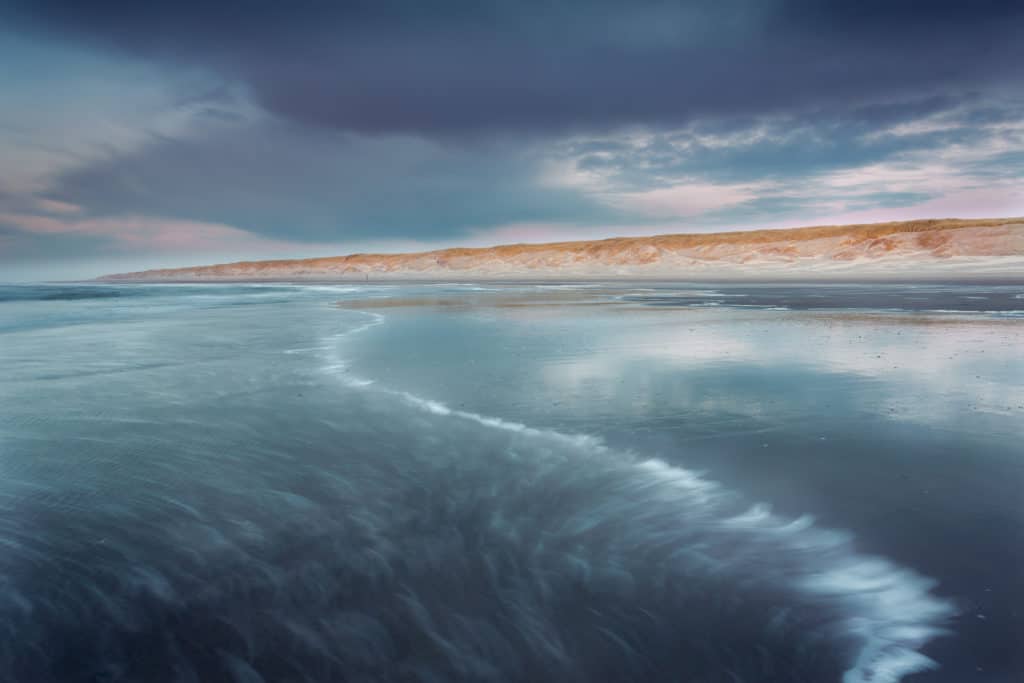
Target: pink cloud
53, 206
516, 233
688, 198
983, 202
143, 233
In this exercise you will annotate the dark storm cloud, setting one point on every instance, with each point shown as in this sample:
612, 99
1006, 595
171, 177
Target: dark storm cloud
451, 67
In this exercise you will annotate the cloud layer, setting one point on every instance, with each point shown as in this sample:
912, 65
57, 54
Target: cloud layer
461, 65
386, 123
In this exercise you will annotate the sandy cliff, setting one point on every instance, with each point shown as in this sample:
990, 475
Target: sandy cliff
970, 248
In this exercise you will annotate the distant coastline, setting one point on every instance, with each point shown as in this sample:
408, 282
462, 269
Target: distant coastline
981, 249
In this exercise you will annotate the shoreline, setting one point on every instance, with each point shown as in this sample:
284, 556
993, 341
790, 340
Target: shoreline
996, 279
939, 249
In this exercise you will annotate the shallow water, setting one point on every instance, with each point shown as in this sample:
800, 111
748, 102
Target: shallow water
518, 482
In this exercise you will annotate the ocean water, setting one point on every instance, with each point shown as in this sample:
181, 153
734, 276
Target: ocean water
528, 482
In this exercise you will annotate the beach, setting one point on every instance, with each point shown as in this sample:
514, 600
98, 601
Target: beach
532, 481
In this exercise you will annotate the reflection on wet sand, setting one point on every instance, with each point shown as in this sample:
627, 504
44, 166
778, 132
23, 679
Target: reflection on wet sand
483, 300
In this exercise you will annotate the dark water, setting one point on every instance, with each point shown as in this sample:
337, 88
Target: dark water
516, 483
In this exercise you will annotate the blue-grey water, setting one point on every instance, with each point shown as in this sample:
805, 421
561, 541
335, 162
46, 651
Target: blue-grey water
531, 482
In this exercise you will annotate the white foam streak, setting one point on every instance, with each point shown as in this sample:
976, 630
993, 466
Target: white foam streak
889, 609
438, 408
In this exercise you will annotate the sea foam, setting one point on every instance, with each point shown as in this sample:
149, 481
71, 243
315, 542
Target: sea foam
887, 611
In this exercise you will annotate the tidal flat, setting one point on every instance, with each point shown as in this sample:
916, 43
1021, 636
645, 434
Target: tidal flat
512, 482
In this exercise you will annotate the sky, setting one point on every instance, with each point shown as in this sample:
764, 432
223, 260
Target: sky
137, 135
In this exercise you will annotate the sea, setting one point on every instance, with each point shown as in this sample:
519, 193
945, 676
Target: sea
572, 482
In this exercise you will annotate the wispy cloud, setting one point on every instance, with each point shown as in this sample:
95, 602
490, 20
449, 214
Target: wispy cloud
144, 233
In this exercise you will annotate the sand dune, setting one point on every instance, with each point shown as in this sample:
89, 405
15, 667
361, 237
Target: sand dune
969, 248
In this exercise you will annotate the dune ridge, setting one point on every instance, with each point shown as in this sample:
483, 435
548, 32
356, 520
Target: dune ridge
980, 247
